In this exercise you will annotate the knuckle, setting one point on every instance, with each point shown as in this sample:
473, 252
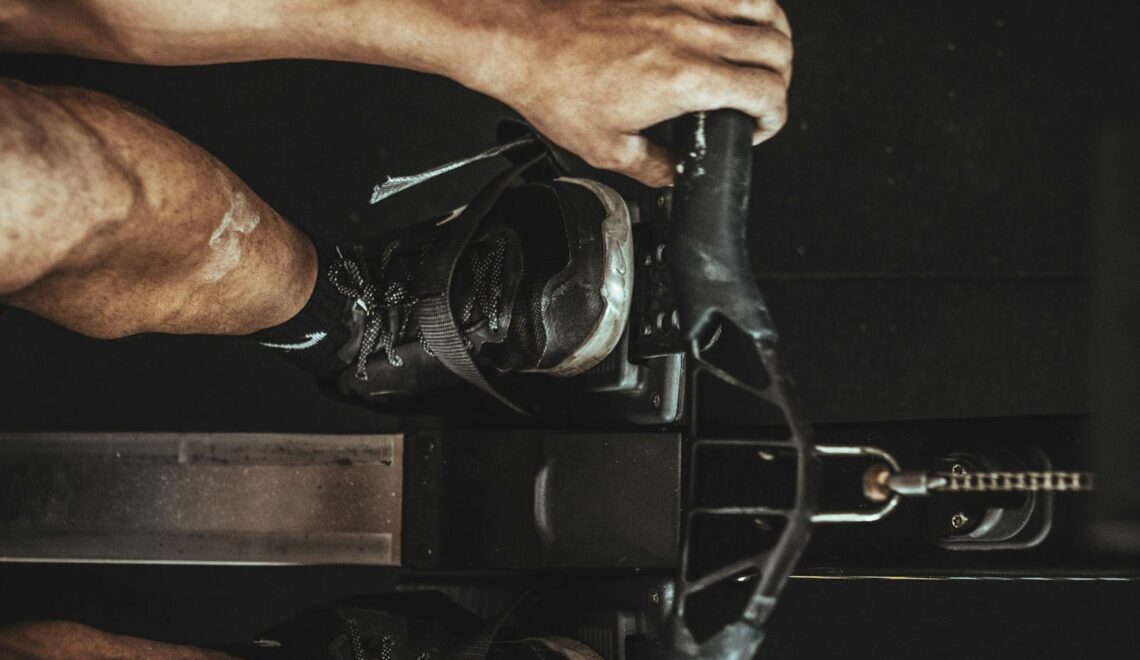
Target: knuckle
687, 28
775, 46
722, 34
782, 19
784, 53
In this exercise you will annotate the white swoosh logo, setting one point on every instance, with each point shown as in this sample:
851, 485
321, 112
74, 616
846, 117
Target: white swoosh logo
311, 340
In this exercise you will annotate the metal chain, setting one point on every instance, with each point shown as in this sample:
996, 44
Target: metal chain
885, 482
1011, 482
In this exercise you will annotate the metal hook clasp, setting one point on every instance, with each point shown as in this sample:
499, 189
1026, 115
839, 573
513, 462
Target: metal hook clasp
860, 515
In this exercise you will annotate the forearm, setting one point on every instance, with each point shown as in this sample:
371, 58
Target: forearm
590, 75
433, 36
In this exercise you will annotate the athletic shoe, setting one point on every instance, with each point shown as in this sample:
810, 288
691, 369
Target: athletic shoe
536, 278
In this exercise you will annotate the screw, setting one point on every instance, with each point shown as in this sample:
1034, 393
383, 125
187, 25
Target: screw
959, 520
957, 470
655, 596
647, 329
661, 201
655, 400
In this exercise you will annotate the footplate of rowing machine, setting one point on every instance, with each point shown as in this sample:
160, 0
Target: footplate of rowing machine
643, 381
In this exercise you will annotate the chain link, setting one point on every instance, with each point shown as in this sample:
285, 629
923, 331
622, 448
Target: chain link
1012, 482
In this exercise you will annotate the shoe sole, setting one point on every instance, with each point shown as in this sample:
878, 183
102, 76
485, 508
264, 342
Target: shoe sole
617, 288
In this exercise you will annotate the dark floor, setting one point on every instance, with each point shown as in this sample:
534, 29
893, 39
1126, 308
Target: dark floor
924, 234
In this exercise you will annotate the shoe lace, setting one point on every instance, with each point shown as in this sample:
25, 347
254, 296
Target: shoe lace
386, 644
389, 305
394, 303
486, 293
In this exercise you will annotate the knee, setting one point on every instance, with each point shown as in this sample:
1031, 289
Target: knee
59, 184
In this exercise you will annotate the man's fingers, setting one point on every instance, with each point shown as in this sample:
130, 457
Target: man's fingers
675, 57
765, 132
751, 45
761, 93
781, 22
752, 50
756, 12
637, 158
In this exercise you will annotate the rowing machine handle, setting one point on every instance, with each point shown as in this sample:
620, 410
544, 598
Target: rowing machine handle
713, 286
707, 251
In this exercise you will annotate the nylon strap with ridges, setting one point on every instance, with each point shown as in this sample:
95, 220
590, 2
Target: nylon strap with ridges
434, 315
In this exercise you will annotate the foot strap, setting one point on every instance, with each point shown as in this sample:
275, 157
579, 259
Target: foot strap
440, 331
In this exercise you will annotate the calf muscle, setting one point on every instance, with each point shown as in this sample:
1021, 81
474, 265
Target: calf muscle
112, 224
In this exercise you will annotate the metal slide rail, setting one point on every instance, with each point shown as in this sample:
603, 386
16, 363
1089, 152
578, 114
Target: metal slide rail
201, 498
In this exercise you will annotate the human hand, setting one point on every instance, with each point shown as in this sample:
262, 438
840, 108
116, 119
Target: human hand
592, 74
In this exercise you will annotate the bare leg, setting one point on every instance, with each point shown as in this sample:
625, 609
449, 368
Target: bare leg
51, 640
112, 224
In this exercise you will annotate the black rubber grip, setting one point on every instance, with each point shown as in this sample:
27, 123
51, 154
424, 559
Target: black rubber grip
707, 251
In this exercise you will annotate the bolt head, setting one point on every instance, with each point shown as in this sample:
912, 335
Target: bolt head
959, 520
958, 470
655, 400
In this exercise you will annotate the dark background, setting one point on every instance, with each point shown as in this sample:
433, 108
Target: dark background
925, 231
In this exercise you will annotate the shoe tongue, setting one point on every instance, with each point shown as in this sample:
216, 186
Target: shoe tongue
485, 282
